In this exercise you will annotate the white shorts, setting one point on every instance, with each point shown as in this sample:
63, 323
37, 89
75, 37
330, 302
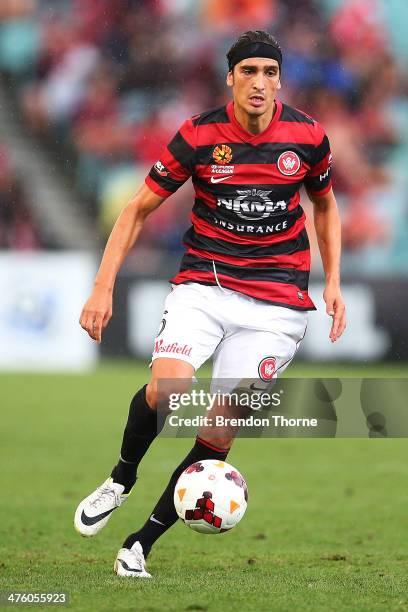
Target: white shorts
247, 338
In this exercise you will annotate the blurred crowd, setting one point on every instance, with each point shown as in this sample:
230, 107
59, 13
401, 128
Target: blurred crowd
110, 82
18, 228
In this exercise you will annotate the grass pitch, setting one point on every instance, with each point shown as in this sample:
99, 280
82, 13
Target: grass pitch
326, 526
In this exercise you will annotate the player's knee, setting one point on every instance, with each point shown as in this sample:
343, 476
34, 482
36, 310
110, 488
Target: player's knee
151, 394
158, 391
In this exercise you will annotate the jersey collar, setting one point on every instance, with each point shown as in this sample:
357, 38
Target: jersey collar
247, 136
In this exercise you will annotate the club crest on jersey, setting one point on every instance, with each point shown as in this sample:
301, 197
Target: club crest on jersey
288, 163
222, 154
160, 168
267, 369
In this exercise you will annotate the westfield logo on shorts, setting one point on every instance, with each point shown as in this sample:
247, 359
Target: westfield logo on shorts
174, 347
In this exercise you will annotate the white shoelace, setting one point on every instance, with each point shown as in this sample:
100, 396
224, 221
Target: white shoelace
106, 492
138, 560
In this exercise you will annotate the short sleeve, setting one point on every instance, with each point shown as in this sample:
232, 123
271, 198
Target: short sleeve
176, 163
318, 179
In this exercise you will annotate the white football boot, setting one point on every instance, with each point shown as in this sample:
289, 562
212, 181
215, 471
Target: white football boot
131, 562
95, 510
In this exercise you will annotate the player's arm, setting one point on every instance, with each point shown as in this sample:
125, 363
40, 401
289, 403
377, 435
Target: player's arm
328, 230
98, 309
165, 177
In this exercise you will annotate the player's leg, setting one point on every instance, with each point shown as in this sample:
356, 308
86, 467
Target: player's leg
187, 337
143, 425
144, 422
137, 545
211, 443
254, 353
243, 350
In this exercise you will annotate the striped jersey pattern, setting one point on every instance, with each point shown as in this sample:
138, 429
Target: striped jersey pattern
248, 227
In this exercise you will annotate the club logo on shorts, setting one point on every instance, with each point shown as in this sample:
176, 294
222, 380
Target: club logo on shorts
222, 154
267, 368
288, 163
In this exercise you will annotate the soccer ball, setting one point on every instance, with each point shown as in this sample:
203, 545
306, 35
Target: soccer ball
211, 496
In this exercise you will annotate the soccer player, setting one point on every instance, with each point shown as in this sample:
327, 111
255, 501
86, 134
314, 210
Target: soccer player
242, 288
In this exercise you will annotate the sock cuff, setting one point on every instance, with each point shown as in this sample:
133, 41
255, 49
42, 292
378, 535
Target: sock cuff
222, 451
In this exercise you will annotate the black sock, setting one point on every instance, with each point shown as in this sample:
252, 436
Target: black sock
142, 427
164, 514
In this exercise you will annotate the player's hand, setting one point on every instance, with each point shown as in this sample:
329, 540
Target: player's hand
96, 313
335, 308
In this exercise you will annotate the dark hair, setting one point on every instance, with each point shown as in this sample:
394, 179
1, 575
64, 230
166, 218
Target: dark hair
253, 36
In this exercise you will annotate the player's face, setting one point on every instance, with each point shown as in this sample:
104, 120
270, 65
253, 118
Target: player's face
254, 83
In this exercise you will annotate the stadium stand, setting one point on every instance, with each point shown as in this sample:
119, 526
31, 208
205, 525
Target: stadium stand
93, 79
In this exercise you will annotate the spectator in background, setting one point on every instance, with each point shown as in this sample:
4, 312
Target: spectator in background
65, 65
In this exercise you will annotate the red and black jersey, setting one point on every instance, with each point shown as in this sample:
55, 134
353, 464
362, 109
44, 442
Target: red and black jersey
248, 227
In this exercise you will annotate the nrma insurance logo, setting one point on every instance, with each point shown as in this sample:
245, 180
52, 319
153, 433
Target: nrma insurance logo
252, 204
